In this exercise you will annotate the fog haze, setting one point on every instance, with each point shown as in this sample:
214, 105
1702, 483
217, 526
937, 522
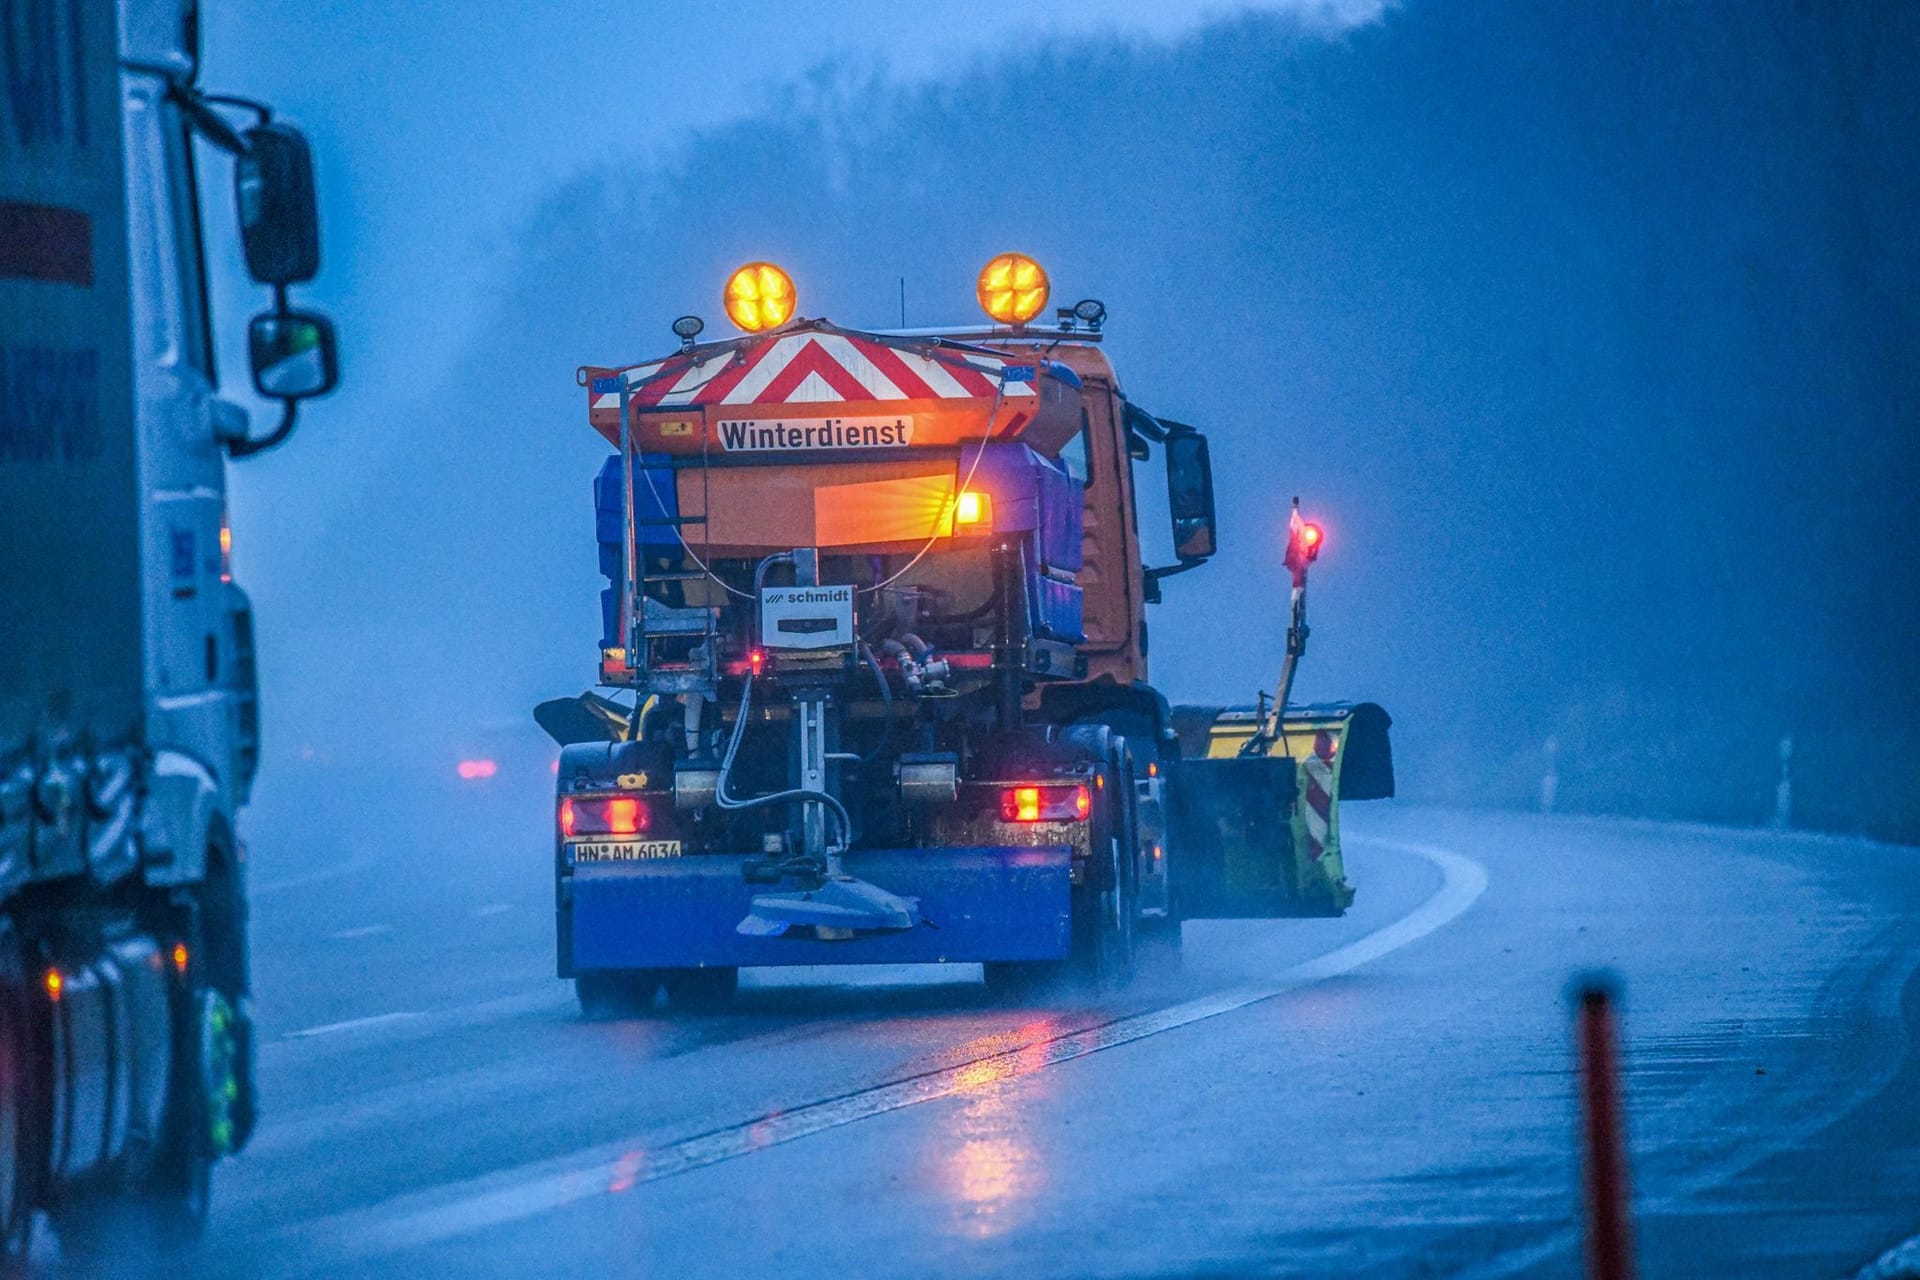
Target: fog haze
1589, 336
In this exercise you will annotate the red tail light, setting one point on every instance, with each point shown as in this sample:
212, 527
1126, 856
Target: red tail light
602, 816
1069, 802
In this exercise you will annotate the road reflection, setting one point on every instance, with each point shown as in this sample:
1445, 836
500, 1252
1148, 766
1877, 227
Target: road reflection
988, 1168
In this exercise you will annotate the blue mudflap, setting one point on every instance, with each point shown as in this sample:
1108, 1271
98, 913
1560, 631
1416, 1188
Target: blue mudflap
975, 904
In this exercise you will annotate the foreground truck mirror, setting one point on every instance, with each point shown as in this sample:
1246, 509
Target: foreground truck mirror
279, 217
292, 354
1190, 495
293, 359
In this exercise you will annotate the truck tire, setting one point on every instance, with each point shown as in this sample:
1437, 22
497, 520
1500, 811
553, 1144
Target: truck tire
162, 1208
609, 994
701, 990
1156, 939
1105, 907
18, 1087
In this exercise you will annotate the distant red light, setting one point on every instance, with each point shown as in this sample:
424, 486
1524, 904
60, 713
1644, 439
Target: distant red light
756, 661
472, 770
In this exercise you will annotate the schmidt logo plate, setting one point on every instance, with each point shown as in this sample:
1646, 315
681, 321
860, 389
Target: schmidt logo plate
806, 617
762, 436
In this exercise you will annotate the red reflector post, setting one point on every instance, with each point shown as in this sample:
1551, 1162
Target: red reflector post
1609, 1234
1068, 802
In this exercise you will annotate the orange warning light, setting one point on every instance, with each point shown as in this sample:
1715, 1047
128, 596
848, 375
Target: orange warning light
973, 508
55, 984
759, 296
1012, 288
179, 957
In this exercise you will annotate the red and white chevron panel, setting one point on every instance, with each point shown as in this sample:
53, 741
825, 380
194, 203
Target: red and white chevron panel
1318, 768
816, 367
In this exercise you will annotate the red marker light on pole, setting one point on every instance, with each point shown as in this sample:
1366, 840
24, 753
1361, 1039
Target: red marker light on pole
1303, 546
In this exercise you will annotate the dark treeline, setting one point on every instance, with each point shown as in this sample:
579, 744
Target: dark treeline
1589, 331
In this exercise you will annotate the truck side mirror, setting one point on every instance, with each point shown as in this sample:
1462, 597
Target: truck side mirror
279, 217
292, 354
1190, 495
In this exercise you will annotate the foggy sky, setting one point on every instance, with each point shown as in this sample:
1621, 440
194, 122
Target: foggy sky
1590, 337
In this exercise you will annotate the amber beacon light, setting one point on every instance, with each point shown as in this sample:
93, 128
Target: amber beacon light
1012, 288
760, 296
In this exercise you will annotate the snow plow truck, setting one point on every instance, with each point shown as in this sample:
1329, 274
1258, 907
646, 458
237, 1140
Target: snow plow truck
872, 678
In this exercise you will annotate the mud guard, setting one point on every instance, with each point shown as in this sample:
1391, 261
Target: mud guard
1258, 836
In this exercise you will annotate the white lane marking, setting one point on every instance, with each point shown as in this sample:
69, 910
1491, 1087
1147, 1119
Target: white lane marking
351, 1024
432, 1022
364, 931
321, 876
491, 909
510, 1195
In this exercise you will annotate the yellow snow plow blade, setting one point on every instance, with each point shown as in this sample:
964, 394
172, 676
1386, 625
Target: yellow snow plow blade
1258, 832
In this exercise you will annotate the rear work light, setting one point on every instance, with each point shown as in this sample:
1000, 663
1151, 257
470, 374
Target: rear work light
973, 510
602, 816
1071, 802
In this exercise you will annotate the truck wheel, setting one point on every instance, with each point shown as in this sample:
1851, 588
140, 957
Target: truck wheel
609, 994
1105, 905
702, 990
164, 1209
17, 1090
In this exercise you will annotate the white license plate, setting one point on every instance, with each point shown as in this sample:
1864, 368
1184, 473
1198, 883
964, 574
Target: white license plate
624, 850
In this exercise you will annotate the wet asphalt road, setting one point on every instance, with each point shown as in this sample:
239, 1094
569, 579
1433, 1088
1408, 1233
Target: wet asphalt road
1387, 1094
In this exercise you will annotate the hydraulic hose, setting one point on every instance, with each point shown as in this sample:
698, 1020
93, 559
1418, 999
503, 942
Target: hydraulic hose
791, 796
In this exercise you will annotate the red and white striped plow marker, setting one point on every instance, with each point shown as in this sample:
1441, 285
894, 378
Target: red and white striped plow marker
1318, 811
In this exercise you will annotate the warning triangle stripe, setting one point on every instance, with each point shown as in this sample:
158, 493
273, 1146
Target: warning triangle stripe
727, 379
813, 358
889, 362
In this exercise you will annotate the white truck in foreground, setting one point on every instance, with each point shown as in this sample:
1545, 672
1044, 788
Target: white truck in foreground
128, 711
